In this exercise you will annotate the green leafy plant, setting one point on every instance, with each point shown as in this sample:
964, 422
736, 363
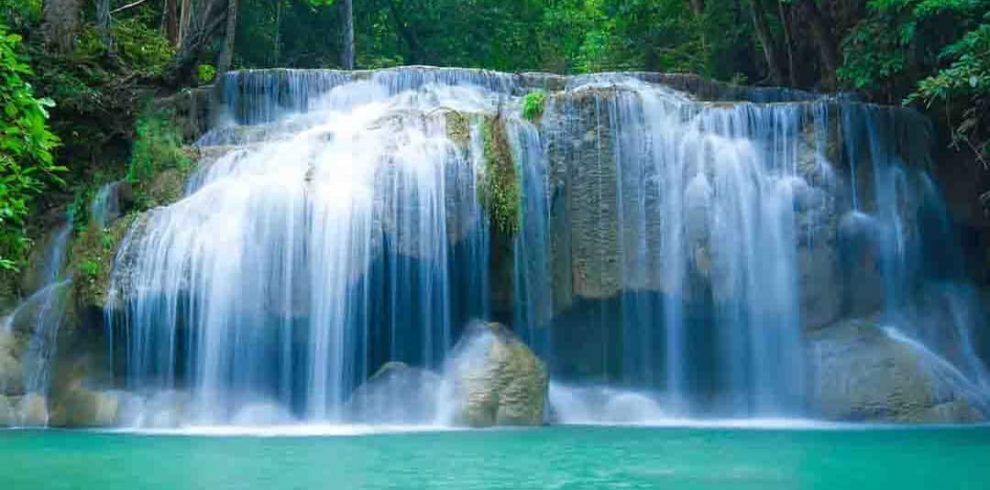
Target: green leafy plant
966, 80
89, 268
158, 147
533, 105
27, 165
206, 73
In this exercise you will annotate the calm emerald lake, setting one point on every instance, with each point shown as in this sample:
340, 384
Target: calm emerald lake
553, 457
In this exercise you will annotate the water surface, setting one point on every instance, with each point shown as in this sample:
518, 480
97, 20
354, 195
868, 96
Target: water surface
555, 457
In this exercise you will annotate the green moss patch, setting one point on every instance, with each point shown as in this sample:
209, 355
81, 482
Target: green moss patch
458, 128
498, 189
91, 260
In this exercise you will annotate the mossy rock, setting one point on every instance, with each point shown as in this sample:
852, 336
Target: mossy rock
8, 290
167, 187
91, 260
497, 379
499, 183
11, 376
82, 407
860, 373
8, 417
458, 126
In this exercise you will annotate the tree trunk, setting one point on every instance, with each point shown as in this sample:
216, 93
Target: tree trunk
170, 19
766, 40
60, 24
227, 51
788, 43
103, 22
202, 28
347, 31
823, 38
185, 21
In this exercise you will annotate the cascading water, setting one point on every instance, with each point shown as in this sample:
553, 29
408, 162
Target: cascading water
106, 205
696, 236
294, 267
673, 248
38, 319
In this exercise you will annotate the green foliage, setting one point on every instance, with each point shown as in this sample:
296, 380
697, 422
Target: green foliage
89, 268
79, 207
27, 165
97, 91
901, 41
157, 147
91, 258
533, 105
874, 54
963, 87
968, 74
206, 73
935, 53
499, 190
140, 45
18, 14
564, 36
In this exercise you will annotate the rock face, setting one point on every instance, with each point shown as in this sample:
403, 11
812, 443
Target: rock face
11, 377
397, 393
495, 379
862, 373
82, 407
32, 411
8, 417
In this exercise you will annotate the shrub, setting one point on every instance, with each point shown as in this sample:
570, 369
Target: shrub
533, 105
27, 166
157, 147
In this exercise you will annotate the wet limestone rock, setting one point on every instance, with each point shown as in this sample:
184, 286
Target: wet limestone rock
496, 379
862, 373
81, 407
32, 411
11, 377
8, 417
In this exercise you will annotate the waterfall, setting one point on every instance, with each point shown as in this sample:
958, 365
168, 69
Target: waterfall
44, 310
670, 255
30, 332
105, 206
349, 236
48, 306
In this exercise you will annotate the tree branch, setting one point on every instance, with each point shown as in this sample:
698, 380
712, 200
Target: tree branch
128, 6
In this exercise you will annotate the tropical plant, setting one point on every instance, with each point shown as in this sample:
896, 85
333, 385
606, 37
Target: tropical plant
27, 166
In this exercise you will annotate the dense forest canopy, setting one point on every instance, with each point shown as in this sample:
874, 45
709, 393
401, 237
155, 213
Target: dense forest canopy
89, 64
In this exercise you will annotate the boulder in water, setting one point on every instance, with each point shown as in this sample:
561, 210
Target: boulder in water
33, 410
7, 415
495, 379
82, 407
860, 372
396, 393
11, 377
